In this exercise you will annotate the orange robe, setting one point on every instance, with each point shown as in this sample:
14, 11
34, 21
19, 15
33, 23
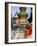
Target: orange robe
29, 30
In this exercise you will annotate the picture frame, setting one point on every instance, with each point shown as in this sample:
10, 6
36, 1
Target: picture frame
10, 9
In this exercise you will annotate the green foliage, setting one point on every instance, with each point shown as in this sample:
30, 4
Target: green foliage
30, 19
